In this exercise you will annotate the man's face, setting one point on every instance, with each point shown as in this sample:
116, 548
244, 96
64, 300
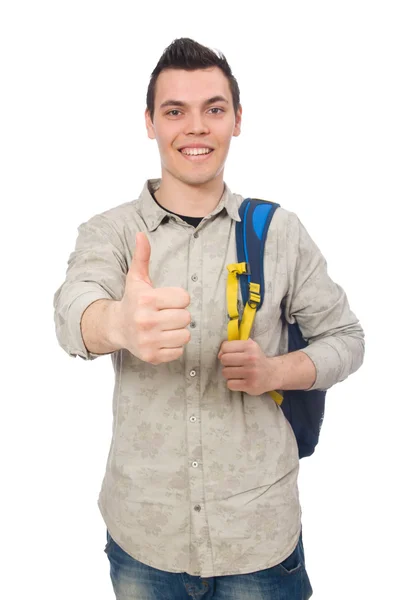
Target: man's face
193, 109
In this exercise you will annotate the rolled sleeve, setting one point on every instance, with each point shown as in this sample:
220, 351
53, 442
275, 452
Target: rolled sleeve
334, 360
321, 309
76, 310
96, 270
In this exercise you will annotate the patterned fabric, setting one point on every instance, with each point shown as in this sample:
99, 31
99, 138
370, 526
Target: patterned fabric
200, 479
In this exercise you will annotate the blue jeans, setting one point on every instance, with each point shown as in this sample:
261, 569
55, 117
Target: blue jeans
133, 580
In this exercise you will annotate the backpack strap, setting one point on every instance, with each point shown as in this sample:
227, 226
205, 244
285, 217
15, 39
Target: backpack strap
251, 233
302, 408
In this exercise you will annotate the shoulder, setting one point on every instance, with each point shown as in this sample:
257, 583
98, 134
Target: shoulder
115, 220
283, 219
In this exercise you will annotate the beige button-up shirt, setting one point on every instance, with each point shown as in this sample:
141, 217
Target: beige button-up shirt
201, 479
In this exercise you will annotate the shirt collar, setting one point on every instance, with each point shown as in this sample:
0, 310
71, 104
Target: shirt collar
153, 214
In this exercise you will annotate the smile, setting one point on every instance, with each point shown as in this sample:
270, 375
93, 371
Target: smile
196, 154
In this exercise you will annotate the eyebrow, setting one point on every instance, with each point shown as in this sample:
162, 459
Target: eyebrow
183, 104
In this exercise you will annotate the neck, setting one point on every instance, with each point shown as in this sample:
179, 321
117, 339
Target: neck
189, 200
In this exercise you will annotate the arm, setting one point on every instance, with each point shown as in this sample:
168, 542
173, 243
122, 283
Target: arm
321, 309
99, 326
248, 369
293, 371
95, 279
104, 305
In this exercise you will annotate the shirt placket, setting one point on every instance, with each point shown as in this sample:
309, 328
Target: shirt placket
199, 529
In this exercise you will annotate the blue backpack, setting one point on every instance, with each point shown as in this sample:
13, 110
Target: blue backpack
303, 409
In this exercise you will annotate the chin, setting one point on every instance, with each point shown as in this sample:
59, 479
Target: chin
202, 178
197, 178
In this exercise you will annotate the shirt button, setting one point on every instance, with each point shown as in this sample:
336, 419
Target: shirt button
194, 277
192, 373
197, 508
193, 419
193, 324
195, 464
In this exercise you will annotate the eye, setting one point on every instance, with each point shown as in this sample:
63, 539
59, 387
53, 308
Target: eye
174, 110
217, 109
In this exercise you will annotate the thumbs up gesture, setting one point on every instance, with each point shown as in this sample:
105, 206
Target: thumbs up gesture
152, 323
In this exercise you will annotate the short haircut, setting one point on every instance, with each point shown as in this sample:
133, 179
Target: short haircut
186, 54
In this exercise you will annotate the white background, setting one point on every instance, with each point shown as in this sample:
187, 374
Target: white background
319, 134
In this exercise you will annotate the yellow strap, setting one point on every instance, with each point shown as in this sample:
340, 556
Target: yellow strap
247, 322
234, 269
242, 332
232, 330
250, 311
276, 397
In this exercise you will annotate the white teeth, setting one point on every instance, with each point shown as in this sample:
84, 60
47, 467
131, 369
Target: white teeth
195, 151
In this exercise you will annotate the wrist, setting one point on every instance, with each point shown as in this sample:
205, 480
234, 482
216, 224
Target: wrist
278, 372
293, 371
114, 325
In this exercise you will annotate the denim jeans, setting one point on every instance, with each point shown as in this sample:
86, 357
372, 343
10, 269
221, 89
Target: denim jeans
133, 580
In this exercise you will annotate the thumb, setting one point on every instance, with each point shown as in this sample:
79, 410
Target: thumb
139, 268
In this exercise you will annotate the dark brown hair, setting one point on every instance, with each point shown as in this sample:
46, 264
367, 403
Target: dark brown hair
185, 53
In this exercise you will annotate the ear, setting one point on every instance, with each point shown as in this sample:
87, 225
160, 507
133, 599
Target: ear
237, 126
149, 125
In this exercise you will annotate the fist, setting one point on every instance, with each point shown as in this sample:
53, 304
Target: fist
152, 323
246, 368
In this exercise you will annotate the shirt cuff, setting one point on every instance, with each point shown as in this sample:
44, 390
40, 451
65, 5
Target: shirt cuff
75, 313
329, 361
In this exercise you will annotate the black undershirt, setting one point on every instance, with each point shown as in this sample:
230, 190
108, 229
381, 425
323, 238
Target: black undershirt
195, 221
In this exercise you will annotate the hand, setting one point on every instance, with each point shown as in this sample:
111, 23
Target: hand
151, 323
246, 368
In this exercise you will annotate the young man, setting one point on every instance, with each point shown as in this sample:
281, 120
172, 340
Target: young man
200, 494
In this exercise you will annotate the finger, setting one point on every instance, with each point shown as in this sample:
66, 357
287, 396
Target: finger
169, 354
139, 268
236, 385
236, 359
172, 318
174, 339
236, 346
234, 372
171, 297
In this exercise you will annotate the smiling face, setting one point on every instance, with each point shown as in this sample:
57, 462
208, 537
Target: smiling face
193, 123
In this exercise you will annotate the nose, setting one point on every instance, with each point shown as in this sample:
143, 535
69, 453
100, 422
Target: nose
196, 124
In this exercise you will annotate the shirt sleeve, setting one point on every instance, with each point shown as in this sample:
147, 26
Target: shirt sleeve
96, 269
321, 309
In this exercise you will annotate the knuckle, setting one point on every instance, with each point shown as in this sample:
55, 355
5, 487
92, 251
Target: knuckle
185, 297
143, 321
145, 298
140, 318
